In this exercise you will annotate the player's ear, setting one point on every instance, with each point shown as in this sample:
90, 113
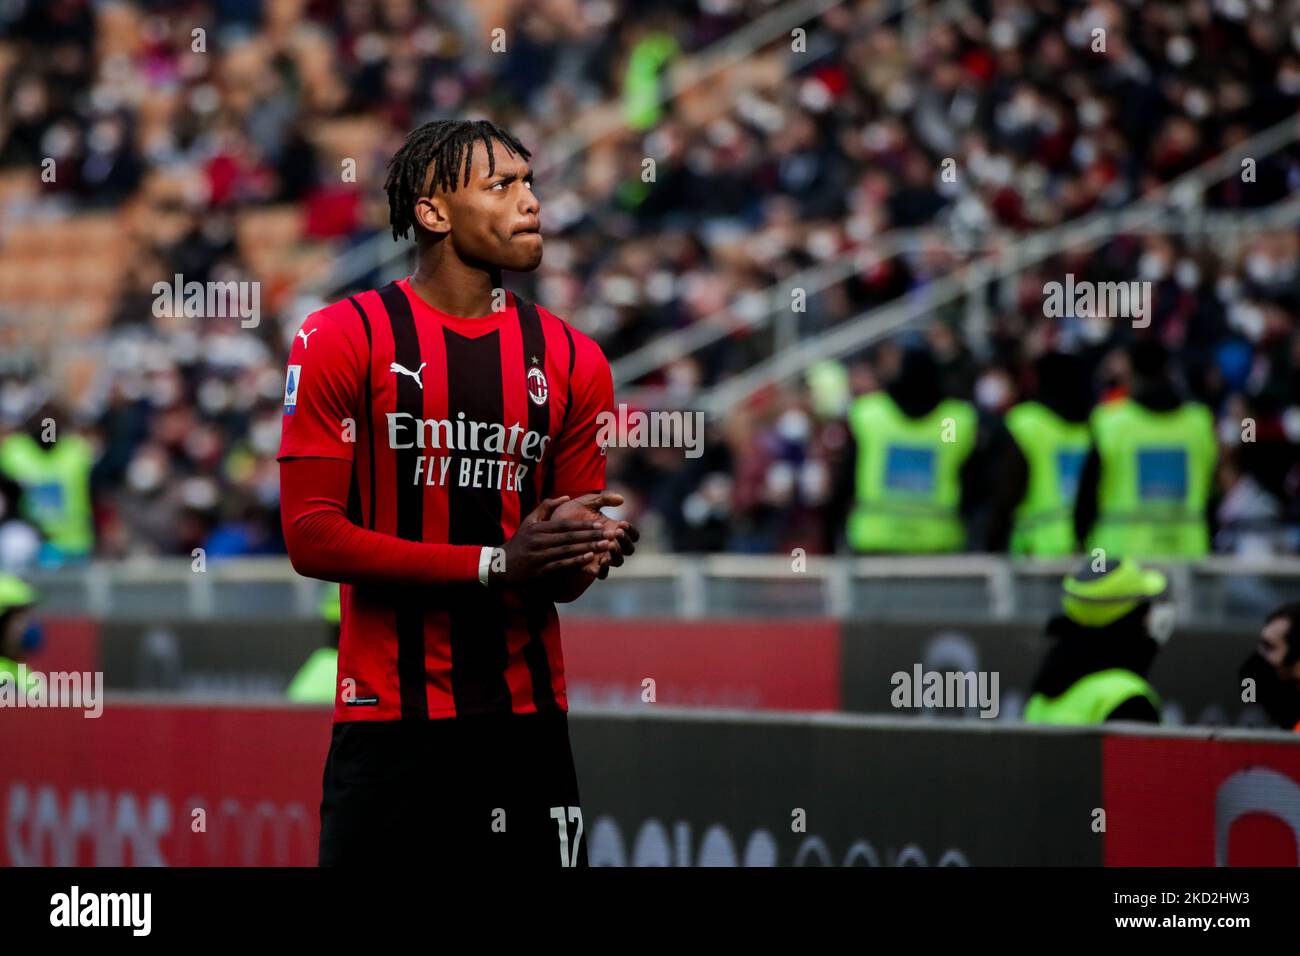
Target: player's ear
433, 214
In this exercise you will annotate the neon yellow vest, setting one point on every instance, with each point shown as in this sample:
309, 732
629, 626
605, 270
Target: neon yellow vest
1090, 699
1156, 469
908, 483
56, 488
641, 106
317, 679
1055, 450
9, 672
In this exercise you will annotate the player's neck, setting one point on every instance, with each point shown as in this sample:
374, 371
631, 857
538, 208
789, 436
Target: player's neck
454, 287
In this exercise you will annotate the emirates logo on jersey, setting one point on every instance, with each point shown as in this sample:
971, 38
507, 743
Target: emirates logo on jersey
537, 387
498, 469
463, 435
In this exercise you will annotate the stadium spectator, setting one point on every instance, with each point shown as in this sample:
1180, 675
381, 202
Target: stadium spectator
1116, 617
914, 467
1248, 518
317, 680
1274, 667
1041, 454
20, 541
54, 472
1146, 486
784, 162
21, 635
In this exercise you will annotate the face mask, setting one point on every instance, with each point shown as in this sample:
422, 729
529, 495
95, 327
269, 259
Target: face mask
1229, 431
991, 392
1247, 319
1152, 267
1227, 288
1083, 152
264, 436
1260, 268
1179, 50
793, 426
31, 638
1160, 621
144, 474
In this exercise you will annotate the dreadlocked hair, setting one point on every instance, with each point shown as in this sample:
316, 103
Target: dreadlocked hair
446, 144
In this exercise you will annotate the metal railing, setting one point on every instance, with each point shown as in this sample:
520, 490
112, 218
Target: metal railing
1184, 192
757, 310
380, 253
959, 587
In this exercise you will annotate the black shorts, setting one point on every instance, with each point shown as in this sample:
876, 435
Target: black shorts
485, 790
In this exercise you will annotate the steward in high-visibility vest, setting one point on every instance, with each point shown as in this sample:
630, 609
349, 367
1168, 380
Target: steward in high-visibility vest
20, 634
1115, 620
1145, 490
317, 679
1047, 443
55, 478
910, 448
643, 78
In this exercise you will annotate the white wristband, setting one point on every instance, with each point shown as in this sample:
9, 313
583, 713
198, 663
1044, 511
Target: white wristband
484, 564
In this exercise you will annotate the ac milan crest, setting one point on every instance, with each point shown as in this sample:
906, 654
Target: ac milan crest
537, 387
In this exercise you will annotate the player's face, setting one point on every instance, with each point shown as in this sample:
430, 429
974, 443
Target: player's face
1273, 647
495, 219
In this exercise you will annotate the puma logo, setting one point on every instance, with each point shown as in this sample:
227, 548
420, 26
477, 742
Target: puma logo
305, 336
400, 370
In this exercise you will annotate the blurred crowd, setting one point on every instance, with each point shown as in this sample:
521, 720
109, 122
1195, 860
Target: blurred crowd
806, 153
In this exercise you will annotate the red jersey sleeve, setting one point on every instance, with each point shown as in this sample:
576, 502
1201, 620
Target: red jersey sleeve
323, 543
323, 396
579, 457
323, 385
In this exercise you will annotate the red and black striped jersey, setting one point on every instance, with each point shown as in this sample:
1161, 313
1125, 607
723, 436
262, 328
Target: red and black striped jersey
455, 429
